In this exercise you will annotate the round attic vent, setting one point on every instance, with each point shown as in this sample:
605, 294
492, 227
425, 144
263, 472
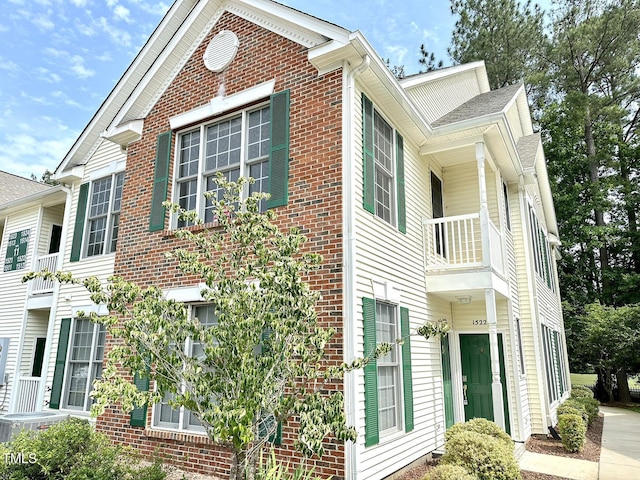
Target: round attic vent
221, 51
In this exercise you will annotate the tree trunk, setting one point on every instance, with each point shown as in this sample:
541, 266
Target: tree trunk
630, 207
604, 386
598, 214
624, 395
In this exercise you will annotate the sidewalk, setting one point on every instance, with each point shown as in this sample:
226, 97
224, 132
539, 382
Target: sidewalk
619, 456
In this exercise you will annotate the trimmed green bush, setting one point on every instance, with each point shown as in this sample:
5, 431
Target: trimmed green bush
482, 455
72, 450
575, 404
580, 391
591, 406
480, 425
573, 432
568, 408
449, 472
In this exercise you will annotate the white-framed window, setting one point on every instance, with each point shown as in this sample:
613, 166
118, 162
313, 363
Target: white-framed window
84, 363
383, 154
389, 373
164, 416
103, 215
235, 146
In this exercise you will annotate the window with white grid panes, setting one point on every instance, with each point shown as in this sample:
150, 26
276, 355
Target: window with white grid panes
103, 215
180, 418
383, 148
387, 331
237, 146
84, 363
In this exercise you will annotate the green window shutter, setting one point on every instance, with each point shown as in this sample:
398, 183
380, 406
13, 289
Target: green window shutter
279, 154
61, 360
402, 214
368, 162
406, 369
372, 436
160, 182
138, 416
78, 229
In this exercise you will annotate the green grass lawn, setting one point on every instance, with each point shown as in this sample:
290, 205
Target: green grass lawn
589, 379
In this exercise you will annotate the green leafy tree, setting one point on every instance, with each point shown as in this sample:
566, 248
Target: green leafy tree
262, 361
611, 343
503, 33
428, 60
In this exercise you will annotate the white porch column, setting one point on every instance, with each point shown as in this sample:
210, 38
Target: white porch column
496, 384
484, 206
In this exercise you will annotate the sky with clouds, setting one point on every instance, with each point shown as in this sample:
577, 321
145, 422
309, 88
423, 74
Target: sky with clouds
59, 59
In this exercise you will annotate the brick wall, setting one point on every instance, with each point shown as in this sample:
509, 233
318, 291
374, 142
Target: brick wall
315, 199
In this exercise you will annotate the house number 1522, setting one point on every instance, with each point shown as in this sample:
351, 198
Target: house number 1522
478, 322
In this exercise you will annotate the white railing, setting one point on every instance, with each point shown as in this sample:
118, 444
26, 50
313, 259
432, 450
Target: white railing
27, 394
41, 285
456, 243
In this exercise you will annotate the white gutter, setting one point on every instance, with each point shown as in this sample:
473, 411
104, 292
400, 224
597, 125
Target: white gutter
349, 256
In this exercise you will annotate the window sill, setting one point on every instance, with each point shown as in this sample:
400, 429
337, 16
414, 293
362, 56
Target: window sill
186, 437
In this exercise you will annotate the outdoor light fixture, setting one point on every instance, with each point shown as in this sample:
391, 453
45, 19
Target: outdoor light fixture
464, 299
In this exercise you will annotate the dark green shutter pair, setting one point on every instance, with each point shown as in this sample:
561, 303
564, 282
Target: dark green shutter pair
372, 435
278, 162
138, 415
369, 166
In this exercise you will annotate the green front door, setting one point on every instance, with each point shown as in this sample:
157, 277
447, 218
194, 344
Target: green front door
476, 376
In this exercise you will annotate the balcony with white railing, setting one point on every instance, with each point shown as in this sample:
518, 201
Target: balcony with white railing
459, 245
41, 286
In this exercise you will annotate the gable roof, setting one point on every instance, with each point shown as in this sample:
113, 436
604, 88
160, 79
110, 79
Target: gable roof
485, 104
528, 150
179, 33
13, 187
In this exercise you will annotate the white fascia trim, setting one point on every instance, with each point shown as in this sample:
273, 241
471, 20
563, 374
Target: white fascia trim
421, 79
113, 167
125, 134
71, 175
220, 105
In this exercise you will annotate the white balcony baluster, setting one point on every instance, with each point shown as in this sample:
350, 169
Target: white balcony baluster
41, 285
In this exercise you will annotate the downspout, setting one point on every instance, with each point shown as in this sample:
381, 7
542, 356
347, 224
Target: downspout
349, 258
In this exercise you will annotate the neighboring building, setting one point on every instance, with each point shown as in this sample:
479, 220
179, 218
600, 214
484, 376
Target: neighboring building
428, 199
31, 229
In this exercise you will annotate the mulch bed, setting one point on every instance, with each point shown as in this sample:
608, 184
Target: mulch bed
538, 444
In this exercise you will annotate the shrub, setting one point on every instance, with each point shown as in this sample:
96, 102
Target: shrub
575, 404
449, 472
573, 432
591, 406
480, 425
482, 455
568, 408
73, 450
581, 391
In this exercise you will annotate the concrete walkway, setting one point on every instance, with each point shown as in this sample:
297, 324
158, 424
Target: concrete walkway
619, 456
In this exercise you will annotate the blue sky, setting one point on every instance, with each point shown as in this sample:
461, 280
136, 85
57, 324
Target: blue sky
59, 59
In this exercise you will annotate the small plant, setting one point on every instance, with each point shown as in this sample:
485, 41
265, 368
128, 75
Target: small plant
72, 450
480, 425
449, 472
482, 455
272, 469
573, 432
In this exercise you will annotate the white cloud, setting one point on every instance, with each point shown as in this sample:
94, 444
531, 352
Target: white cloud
77, 67
122, 13
56, 53
396, 54
158, 8
79, 3
85, 29
43, 22
9, 66
48, 76
117, 35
